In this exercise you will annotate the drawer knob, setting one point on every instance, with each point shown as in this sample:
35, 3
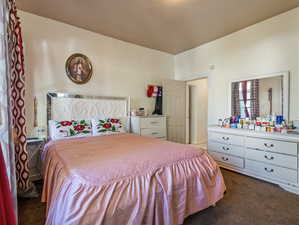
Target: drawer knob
154, 122
269, 170
225, 148
154, 133
269, 145
225, 138
269, 158
225, 159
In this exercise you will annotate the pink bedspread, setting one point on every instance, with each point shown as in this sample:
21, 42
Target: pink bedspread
127, 180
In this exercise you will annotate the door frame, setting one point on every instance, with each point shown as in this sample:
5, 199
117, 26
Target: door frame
197, 77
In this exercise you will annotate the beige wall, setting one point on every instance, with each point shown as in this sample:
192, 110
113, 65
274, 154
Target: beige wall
120, 68
267, 47
265, 84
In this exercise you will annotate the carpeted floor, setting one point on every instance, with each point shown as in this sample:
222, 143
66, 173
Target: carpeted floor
247, 202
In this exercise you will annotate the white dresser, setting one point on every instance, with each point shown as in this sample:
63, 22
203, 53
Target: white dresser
269, 156
151, 126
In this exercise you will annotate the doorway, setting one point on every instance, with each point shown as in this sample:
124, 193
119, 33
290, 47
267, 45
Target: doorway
197, 125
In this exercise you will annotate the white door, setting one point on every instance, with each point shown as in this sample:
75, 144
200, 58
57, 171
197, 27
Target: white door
193, 114
174, 107
198, 110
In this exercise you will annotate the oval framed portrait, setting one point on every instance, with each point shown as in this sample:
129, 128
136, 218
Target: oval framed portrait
78, 68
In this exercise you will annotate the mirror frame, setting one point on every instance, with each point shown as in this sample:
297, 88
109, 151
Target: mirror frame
286, 90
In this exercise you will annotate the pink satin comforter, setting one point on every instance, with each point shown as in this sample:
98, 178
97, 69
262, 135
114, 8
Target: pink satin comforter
127, 180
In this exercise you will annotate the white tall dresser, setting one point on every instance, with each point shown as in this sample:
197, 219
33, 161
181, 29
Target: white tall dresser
269, 156
150, 126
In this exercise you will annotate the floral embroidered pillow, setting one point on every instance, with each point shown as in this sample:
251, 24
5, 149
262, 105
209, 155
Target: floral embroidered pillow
107, 126
73, 128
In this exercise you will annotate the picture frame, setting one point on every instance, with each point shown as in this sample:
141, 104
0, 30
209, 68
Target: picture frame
79, 68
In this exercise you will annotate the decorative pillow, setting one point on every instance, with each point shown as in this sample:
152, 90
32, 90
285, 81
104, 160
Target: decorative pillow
67, 129
107, 126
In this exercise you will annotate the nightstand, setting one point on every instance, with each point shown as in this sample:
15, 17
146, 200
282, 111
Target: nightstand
34, 148
150, 126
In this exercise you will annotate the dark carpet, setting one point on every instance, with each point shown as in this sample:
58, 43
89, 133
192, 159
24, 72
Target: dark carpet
247, 202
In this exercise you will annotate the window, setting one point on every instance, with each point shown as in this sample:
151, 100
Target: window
245, 108
245, 99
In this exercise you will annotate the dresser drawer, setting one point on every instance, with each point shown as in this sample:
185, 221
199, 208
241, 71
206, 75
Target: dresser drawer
273, 158
152, 122
154, 132
226, 138
272, 172
272, 145
225, 148
228, 159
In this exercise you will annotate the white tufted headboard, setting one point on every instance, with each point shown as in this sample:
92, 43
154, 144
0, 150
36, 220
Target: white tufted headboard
63, 106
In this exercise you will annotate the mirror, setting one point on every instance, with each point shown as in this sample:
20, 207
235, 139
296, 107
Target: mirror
260, 97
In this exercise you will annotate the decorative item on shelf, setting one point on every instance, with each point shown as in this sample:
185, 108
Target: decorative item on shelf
153, 90
270, 123
156, 91
78, 68
140, 112
220, 122
234, 125
226, 123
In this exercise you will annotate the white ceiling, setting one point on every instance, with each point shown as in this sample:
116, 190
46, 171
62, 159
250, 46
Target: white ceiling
171, 26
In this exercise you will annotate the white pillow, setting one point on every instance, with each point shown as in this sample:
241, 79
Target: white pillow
69, 129
107, 126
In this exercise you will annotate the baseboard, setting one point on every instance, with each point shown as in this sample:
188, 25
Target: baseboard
289, 188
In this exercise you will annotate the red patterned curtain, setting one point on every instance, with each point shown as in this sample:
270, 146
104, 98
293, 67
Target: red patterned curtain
17, 95
236, 111
255, 106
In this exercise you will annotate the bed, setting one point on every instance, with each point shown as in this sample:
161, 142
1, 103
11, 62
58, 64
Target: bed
122, 179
